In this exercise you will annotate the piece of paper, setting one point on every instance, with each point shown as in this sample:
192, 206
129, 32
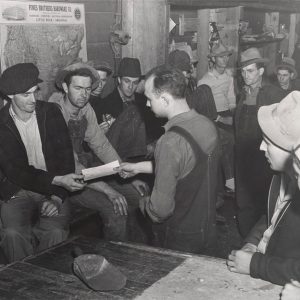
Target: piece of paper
100, 171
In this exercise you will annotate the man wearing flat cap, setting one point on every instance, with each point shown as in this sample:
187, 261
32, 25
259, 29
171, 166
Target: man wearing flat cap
253, 175
286, 74
113, 200
37, 164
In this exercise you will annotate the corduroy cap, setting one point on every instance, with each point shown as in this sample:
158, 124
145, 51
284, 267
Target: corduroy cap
180, 59
97, 273
19, 79
129, 67
280, 122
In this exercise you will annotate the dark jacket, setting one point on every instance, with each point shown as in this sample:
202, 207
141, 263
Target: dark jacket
56, 146
277, 265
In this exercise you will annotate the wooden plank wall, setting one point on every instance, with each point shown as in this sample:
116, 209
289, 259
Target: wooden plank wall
146, 21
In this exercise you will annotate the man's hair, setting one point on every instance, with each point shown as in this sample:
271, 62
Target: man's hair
260, 65
285, 69
168, 79
78, 72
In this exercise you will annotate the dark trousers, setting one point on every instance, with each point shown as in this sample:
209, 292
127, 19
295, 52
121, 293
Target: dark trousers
24, 231
253, 174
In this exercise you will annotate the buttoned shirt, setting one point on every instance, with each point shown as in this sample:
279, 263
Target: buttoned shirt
251, 93
30, 135
222, 87
285, 194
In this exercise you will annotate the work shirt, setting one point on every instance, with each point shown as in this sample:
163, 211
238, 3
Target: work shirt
94, 135
174, 159
30, 135
285, 194
222, 87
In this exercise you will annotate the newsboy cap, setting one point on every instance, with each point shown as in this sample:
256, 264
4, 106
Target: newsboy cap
97, 273
19, 79
129, 67
280, 122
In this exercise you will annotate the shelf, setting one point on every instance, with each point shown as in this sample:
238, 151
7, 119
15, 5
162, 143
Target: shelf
260, 42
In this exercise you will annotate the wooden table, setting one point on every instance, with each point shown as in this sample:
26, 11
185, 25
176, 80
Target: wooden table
151, 274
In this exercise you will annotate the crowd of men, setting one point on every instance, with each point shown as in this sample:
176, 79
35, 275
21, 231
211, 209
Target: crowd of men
198, 139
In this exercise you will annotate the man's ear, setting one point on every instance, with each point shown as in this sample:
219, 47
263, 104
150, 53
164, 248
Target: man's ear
293, 76
261, 71
65, 87
119, 80
166, 99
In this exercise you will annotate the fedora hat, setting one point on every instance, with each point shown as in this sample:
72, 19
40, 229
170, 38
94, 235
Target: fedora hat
97, 273
129, 67
61, 75
219, 50
104, 66
180, 59
251, 56
287, 63
280, 122
19, 79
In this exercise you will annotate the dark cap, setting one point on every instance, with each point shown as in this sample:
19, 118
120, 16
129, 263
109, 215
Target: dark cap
129, 67
104, 66
97, 273
19, 78
180, 59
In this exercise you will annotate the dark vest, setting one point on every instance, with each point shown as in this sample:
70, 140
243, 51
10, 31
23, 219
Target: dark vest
192, 227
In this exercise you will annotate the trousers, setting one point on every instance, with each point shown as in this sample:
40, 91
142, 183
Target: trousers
24, 231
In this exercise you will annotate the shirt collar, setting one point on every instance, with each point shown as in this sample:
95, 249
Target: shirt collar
15, 116
251, 90
179, 118
124, 98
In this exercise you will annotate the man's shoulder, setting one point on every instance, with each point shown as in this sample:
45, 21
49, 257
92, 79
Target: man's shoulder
113, 95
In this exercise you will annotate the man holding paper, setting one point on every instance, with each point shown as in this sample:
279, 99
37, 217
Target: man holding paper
113, 200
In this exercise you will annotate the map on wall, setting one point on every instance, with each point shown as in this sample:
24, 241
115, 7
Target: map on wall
51, 35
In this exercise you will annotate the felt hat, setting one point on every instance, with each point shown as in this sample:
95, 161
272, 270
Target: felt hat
19, 79
219, 50
287, 63
61, 75
180, 59
104, 66
129, 67
280, 122
251, 56
97, 273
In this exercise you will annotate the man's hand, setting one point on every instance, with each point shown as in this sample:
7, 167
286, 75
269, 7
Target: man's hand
249, 247
71, 182
239, 261
142, 204
119, 202
50, 208
127, 170
104, 126
141, 186
226, 120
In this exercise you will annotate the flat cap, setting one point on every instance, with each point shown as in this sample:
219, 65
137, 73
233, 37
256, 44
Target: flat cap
19, 78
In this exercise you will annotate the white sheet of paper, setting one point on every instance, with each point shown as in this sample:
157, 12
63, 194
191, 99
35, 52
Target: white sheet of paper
100, 171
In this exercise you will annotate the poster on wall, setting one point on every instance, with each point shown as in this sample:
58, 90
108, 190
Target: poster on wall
49, 34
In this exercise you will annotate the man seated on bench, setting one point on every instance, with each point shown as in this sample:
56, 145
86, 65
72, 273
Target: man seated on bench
113, 199
37, 164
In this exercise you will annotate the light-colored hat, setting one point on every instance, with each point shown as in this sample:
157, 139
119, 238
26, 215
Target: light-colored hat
219, 50
251, 56
287, 63
280, 122
61, 75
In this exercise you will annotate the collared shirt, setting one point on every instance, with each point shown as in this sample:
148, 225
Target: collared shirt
94, 135
174, 159
285, 194
126, 100
30, 135
251, 93
222, 87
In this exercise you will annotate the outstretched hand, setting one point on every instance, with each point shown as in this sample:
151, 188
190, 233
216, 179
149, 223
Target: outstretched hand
127, 170
71, 182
